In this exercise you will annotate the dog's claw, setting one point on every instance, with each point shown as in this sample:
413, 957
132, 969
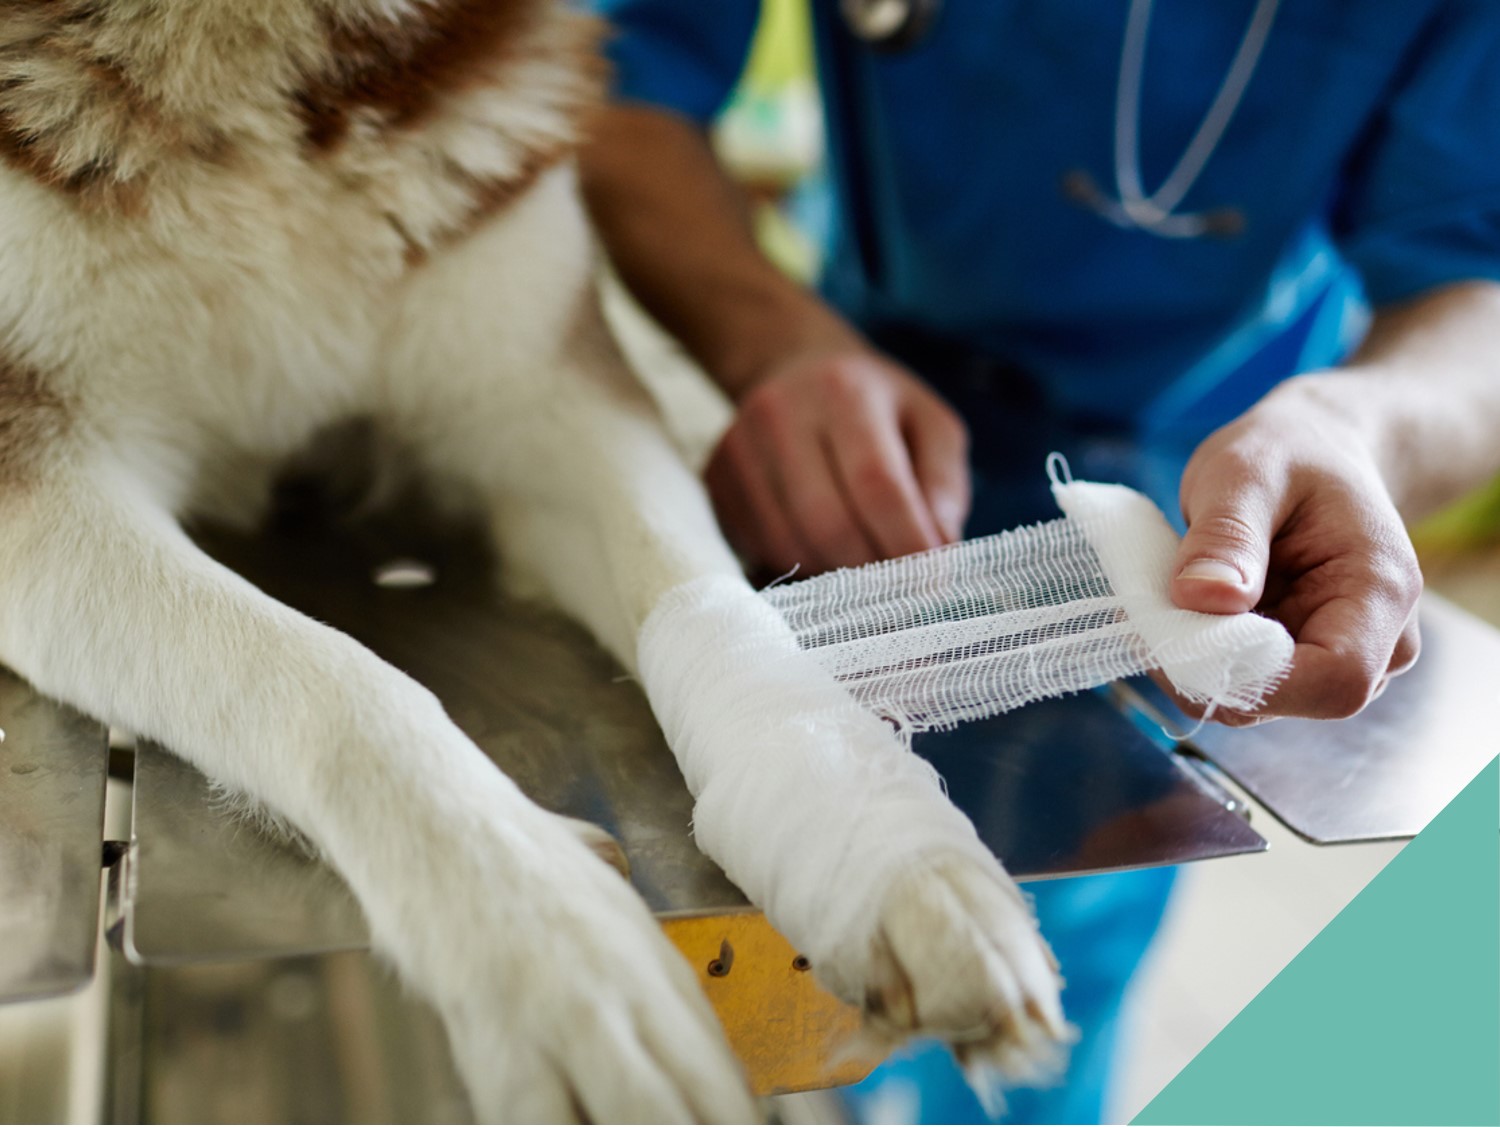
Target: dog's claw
889, 1004
602, 843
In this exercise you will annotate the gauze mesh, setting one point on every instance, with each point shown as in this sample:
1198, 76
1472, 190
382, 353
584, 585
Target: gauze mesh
985, 626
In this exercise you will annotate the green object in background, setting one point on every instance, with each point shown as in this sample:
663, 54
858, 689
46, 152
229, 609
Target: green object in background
782, 53
1470, 522
1391, 1015
770, 134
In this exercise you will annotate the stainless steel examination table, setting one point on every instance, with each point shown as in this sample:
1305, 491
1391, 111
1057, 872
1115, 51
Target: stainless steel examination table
237, 983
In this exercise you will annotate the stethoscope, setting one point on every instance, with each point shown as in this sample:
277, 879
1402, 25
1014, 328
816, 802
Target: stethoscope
898, 25
889, 25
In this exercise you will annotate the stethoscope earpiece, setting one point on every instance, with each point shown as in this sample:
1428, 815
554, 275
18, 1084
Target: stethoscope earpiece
889, 25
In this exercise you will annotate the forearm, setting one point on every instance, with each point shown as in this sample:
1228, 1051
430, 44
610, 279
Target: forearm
1424, 392
679, 233
836, 456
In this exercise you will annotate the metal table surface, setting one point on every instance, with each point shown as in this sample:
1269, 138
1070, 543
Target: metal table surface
208, 885
53, 766
1385, 773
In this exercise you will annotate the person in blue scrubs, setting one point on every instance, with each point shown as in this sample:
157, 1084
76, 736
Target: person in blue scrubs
1243, 254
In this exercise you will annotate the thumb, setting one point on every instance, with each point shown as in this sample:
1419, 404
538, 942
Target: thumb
1221, 563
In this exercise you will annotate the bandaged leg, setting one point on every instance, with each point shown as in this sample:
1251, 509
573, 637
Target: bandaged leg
809, 803
843, 835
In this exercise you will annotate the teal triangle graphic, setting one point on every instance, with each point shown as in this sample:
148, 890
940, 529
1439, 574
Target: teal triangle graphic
1391, 1015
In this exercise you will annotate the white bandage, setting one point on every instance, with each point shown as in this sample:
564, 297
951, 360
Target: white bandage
808, 801
985, 626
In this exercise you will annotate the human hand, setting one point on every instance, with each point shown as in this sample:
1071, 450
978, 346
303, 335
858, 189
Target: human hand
838, 458
1288, 515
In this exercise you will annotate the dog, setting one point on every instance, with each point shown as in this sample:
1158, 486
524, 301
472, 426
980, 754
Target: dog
226, 226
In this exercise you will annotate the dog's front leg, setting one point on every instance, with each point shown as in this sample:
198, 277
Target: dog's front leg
560, 994
809, 803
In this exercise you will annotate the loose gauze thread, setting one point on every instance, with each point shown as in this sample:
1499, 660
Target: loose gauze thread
985, 626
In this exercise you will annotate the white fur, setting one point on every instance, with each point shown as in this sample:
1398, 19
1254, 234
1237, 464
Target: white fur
195, 348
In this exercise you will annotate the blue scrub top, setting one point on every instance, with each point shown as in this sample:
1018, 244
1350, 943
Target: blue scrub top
1365, 157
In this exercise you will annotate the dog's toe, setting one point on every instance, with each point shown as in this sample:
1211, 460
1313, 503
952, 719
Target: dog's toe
958, 956
593, 1015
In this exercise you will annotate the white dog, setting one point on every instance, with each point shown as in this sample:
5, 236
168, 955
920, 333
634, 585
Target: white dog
228, 224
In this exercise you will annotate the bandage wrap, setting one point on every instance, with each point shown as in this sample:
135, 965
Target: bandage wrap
988, 625
807, 800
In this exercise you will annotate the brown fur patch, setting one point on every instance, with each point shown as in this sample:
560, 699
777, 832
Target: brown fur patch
82, 119
403, 67
30, 415
406, 70
102, 90
26, 152
94, 183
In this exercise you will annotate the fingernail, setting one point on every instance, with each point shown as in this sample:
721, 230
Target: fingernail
1212, 571
950, 519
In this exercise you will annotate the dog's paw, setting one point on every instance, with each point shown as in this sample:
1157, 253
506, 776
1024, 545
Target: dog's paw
574, 1006
957, 955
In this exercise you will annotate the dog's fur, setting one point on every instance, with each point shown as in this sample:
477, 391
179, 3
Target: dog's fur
226, 225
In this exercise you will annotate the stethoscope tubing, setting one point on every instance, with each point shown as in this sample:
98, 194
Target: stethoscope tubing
899, 25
